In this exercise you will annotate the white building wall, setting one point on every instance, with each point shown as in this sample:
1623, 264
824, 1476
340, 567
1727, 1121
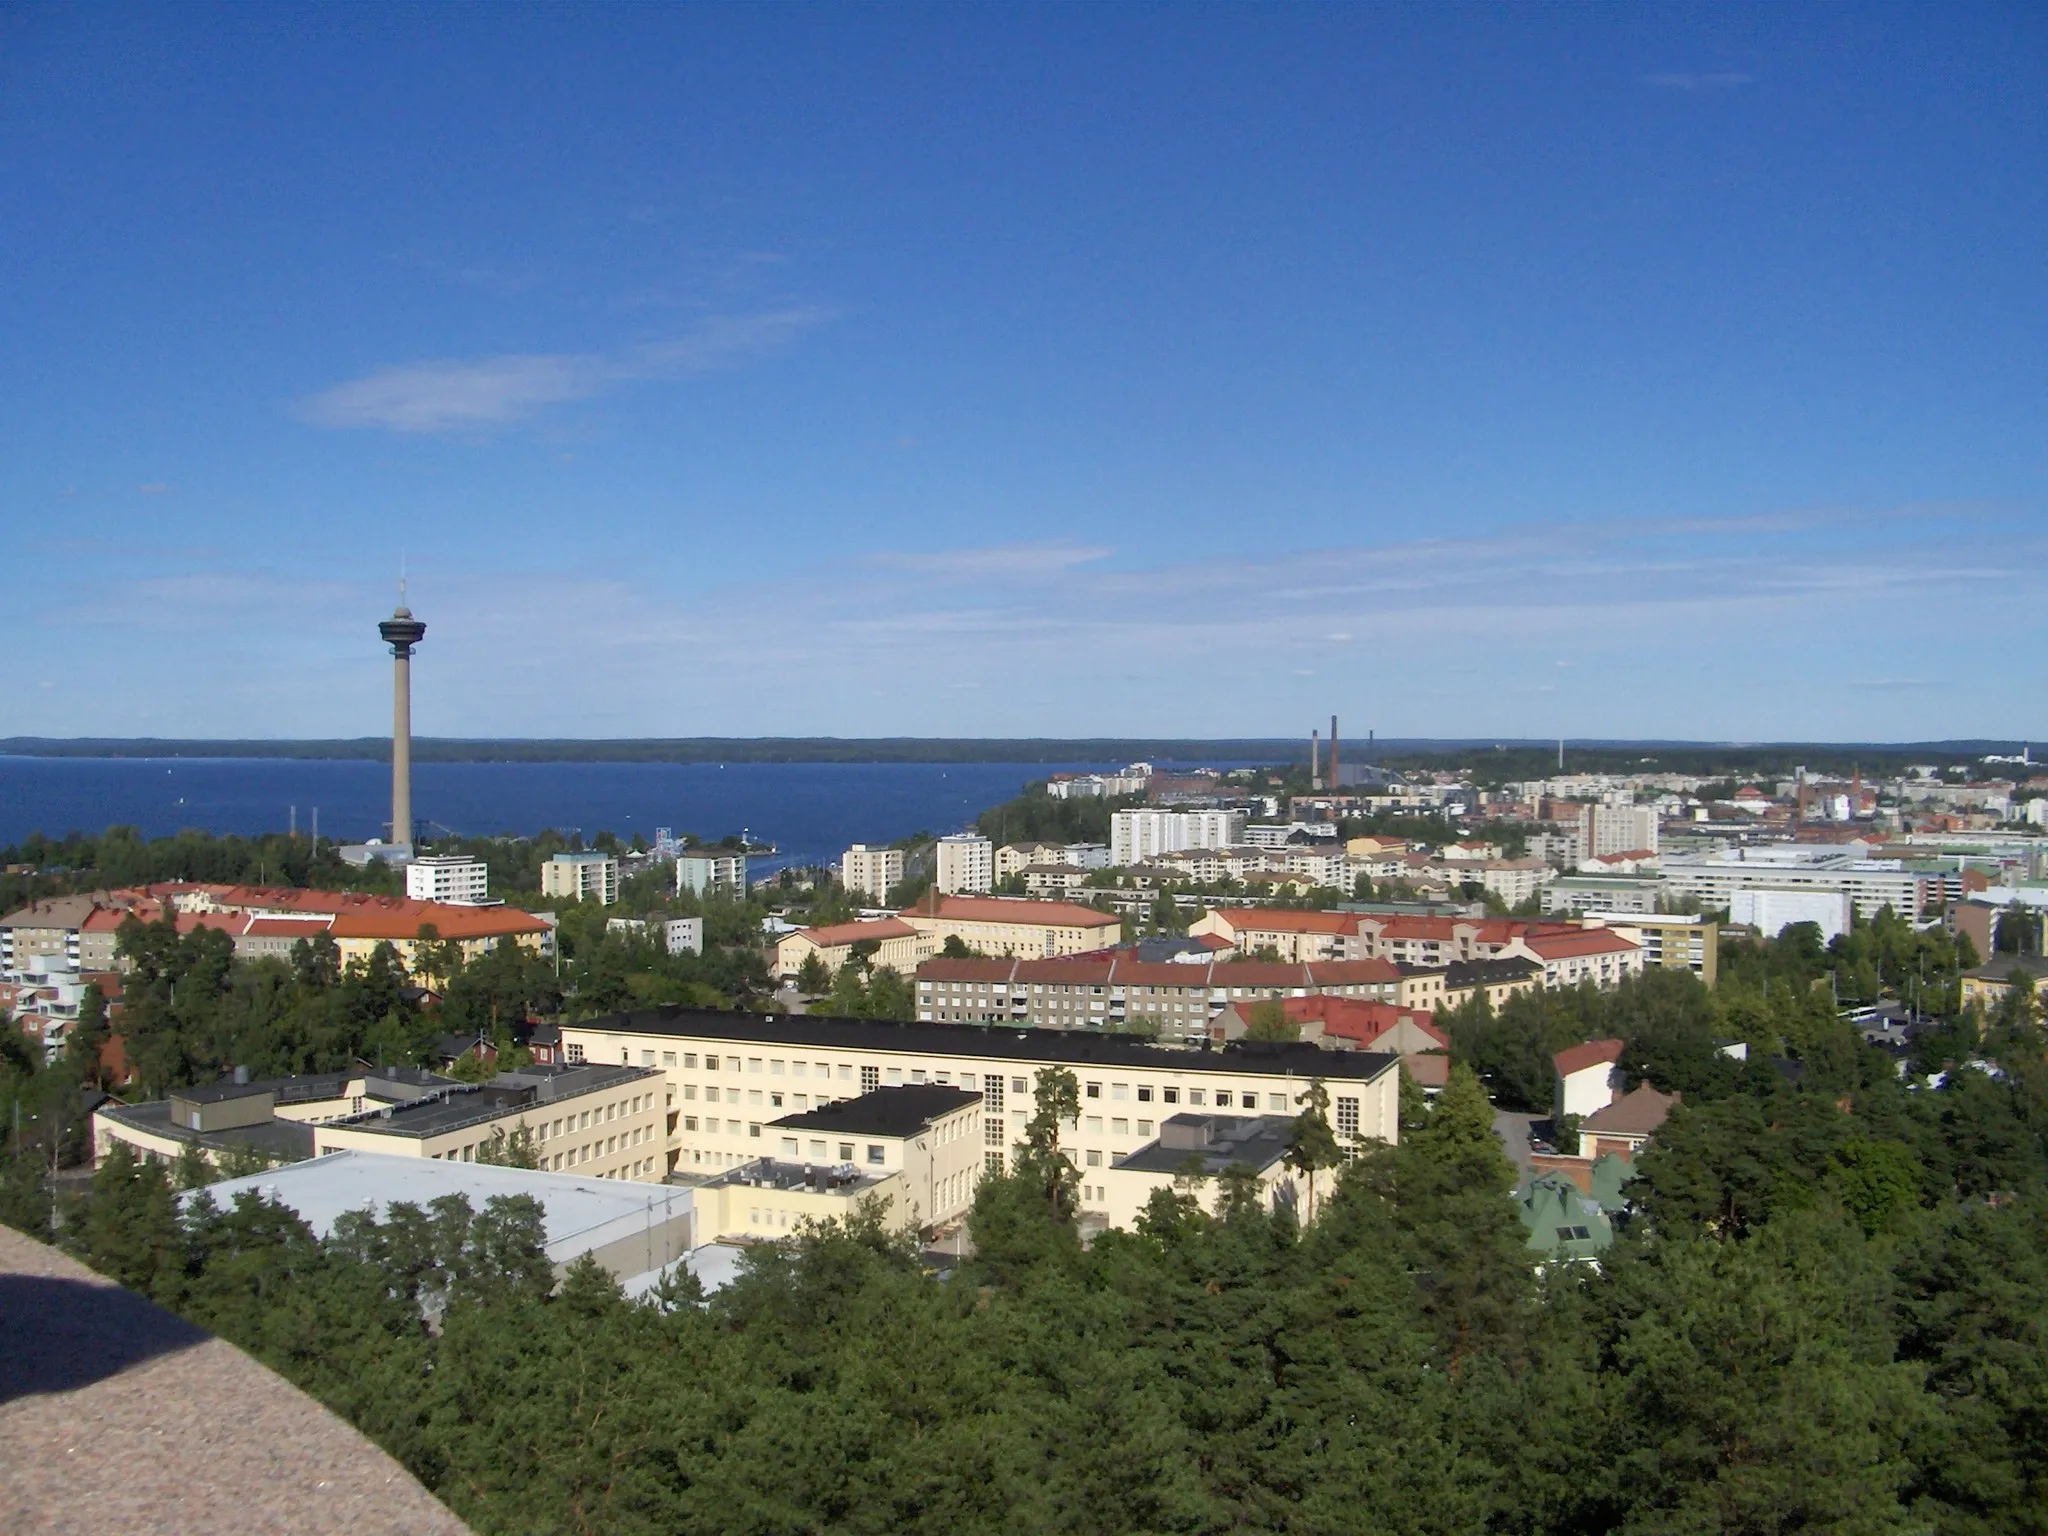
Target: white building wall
1770, 912
966, 865
462, 881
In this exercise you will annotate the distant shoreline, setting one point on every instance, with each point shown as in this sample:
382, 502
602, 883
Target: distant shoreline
912, 749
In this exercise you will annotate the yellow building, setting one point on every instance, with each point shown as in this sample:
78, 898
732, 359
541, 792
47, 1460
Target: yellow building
1296, 936
602, 1122
732, 1076
916, 1151
895, 943
1117, 1195
1670, 939
1988, 984
997, 925
606, 1122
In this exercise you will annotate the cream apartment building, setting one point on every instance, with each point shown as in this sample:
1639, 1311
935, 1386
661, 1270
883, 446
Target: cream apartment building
604, 1122
895, 943
1006, 926
731, 1076
966, 865
871, 872
914, 1150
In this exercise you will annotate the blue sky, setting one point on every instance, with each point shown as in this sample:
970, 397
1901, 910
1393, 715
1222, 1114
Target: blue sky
1602, 371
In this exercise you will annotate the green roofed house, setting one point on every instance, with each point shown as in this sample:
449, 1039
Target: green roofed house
1565, 1225
1610, 1173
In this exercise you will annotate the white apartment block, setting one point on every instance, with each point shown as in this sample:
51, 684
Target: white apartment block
731, 1076
709, 872
452, 878
966, 865
1138, 836
871, 872
590, 876
1870, 884
1623, 829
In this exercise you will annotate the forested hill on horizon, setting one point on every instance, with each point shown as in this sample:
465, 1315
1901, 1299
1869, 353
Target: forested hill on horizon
1528, 756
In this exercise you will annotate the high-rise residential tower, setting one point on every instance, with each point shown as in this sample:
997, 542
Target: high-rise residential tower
401, 632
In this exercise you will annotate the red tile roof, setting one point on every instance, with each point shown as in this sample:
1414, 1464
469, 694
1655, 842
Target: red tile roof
1564, 945
1592, 1054
1361, 1021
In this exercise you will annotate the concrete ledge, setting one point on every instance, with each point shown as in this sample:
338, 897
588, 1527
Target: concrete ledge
118, 1419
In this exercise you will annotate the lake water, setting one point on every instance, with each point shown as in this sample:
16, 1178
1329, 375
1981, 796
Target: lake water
810, 811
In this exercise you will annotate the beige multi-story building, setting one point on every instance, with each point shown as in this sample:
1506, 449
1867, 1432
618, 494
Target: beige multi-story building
270, 1117
917, 1151
732, 1076
599, 1121
1012, 926
1293, 936
1177, 1000
586, 876
1685, 943
966, 865
871, 872
1193, 1152
45, 928
605, 1122
894, 943
1015, 858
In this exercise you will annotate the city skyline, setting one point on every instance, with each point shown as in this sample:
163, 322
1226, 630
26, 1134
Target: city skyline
1134, 374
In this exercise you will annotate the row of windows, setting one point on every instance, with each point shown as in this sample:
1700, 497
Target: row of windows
815, 1149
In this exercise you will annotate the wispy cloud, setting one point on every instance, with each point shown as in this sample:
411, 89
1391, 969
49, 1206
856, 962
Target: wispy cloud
1006, 561
1681, 629
453, 394
1686, 80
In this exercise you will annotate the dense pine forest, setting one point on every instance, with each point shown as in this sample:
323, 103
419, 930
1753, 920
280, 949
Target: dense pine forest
1827, 1312
1830, 1314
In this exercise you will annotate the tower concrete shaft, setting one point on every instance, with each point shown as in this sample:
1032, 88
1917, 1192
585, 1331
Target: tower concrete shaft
401, 632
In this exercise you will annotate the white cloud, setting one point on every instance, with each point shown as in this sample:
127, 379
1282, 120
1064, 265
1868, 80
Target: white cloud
450, 394
1004, 561
1685, 631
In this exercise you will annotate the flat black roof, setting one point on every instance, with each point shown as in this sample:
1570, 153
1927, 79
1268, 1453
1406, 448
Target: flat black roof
286, 1140
1512, 968
308, 1086
1256, 1142
884, 1111
462, 1104
999, 1042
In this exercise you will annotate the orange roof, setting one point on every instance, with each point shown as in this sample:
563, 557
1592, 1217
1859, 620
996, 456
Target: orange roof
1578, 941
856, 933
1361, 1021
452, 922
991, 909
286, 927
1592, 1054
972, 968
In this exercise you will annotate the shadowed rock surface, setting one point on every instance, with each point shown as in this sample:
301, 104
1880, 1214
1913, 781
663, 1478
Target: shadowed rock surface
118, 1418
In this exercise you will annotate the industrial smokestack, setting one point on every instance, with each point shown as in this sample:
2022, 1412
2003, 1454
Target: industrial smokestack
1336, 779
1315, 760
